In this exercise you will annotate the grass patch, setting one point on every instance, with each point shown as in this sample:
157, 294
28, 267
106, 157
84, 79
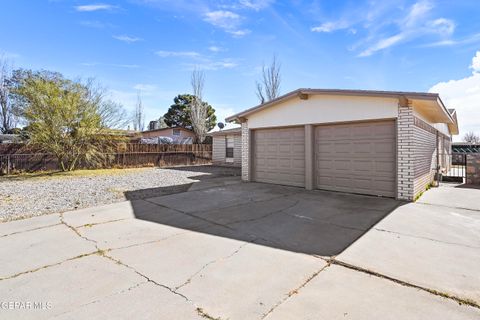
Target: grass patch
70, 174
428, 187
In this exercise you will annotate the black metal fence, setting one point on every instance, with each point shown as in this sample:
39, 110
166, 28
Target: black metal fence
458, 170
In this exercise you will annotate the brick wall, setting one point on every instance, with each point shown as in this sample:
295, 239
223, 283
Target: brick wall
473, 169
405, 165
245, 152
424, 155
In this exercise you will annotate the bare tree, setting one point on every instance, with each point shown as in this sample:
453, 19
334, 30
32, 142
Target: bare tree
198, 109
269, 86
471, 137
7, 117
138, 115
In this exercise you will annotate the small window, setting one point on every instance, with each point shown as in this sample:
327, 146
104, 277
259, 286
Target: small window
229, 141
176, 132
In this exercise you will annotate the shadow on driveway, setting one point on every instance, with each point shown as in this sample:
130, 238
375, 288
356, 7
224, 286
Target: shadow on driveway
313, 222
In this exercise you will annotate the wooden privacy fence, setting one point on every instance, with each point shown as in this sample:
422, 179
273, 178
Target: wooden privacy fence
22, 159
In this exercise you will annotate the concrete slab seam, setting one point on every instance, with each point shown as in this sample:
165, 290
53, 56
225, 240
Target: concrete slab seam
460, 301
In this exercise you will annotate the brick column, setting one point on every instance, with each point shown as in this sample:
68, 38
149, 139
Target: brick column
245, 152
405, 163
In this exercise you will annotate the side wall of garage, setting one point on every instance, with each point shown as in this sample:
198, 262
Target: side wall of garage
424, 155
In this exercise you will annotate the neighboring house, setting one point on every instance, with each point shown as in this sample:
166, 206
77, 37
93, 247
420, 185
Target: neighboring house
227, 147
10, 138
178, 134
379, 143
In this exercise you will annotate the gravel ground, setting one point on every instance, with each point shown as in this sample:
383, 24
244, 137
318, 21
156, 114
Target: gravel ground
32, 196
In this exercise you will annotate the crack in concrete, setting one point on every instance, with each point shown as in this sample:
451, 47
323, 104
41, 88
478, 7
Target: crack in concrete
444, 206
295, 291
187, 214
103, 254
426, 238
29, 230
193, 215
266, 215
101, 299
459, 300
88, 225
78, 233
49, 265
147, 242
202, 313
189, 279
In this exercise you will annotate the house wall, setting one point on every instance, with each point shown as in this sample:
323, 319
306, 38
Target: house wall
168, 132
246, 143
416, 139
324, 109
424, 155
219, 152
405, 164
237, 152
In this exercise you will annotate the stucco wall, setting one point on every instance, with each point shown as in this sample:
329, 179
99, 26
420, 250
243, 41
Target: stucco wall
324, 109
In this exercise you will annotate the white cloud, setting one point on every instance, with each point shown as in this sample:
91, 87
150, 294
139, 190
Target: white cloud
127, 39
239, 33
95, 7
216, 49
476, 63
208, 64
454, 42
223, 19
167, 54
227, 20
444, 27
256, 5
417, 12
145, 87
463, 95
382, 44
414, 25
331, 26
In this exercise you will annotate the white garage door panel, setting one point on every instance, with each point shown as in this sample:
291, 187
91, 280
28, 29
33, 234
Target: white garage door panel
357, 158
279, 156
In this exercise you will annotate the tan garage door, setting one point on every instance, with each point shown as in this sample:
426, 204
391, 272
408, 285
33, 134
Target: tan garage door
279, 156
358, 158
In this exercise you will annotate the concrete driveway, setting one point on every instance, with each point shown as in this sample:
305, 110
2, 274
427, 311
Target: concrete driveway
230, 250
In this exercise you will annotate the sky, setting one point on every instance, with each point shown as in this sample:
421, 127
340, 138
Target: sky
150, 47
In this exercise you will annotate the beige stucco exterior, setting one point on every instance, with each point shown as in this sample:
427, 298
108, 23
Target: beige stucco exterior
324, 109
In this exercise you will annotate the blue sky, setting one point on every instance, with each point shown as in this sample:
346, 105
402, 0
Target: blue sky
152, 46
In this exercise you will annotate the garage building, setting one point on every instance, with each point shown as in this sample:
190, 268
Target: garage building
378, 143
